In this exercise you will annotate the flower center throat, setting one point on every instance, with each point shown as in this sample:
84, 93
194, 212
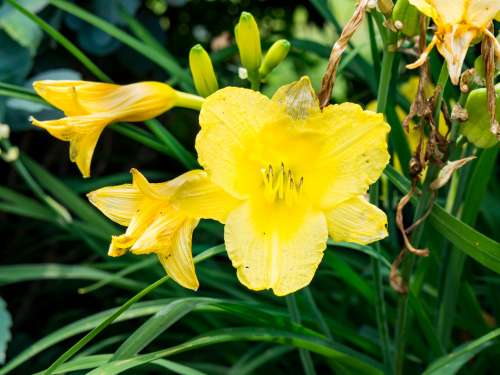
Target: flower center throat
280, 185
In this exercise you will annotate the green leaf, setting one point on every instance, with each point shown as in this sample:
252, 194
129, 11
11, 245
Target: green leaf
53, 271
19, 27
477, 127
18, 204
177, 367
15, 60
93, 361
67, 197
475, 244
164, 61
5, 324
451, 363
82, 363
156, 325
356, 362
110, 319
350, 277
61, 39
255, 360
88, 323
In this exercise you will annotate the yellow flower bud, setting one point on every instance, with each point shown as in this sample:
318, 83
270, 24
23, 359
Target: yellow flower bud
248, 41
202, 71
274, 56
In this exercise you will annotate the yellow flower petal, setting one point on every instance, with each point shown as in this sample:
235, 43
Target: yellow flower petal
199, 197
178, 263
454, 48
230, 120
425, 7
480, 13
82, 132
134, 102
444, 11
352, 156
157, 235
458, 23
356, 220
275, 247
119, 203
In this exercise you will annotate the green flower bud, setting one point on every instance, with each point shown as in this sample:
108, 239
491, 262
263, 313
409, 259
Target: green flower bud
477, 128
248, 41
406, 17
274, 56
202, 71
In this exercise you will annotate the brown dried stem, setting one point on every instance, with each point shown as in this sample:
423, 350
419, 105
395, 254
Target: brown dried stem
420, 106
397, 282
488, 53
338, 49
399, 222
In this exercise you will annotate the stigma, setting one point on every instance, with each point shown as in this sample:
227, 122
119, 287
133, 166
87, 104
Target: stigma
280, 184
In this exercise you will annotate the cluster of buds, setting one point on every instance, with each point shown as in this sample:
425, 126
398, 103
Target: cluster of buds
248, 41
255, 68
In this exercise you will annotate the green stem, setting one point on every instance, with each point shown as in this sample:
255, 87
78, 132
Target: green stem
55, 206
254, 78
385, 80
402, 320
316, 312
382, 96
190, 101
305, 356
380, 306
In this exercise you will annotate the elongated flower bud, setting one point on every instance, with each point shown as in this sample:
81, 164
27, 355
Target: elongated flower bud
248, 41
91, 106
274, 56
202, 71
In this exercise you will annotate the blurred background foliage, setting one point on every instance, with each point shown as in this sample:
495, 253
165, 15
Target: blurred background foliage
47, 291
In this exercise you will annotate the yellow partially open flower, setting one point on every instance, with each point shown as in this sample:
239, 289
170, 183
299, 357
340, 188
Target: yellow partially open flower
155, 224
458, 23
294, 174
91, 106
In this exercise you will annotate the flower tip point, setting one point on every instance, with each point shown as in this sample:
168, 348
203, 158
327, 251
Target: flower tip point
245, 15
304, 80
34, 121
197, 48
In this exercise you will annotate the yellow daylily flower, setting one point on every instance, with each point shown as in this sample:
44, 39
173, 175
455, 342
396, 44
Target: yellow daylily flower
294, 174
155, 223
459, 23
91, 106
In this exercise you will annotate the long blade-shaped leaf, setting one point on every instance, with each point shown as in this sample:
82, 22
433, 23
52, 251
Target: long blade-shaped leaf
451, 363
358, 363
156, 325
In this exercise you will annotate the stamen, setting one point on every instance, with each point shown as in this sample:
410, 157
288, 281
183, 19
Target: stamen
281, 187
